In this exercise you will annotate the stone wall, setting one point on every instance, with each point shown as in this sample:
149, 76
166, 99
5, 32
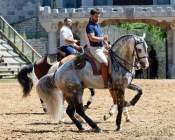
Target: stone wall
18, 10
40, 45
31, 28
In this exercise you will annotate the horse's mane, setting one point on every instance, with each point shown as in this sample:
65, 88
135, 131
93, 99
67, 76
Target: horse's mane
122, 38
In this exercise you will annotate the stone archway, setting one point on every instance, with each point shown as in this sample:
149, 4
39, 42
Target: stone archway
161, 15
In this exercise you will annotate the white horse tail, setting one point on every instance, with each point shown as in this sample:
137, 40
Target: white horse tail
51, 95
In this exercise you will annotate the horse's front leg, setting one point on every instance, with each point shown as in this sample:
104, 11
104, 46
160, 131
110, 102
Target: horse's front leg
137, 96
120, 104
113, 108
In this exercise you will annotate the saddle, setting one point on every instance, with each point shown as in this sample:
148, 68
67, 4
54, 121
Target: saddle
79, 61
96, 66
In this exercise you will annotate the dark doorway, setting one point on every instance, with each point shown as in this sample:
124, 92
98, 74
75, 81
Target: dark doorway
46, 3
132, 2
100, 2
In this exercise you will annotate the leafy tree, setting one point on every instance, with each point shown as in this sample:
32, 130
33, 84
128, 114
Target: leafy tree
156, 32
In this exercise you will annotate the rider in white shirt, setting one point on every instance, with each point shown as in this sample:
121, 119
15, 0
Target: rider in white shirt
67, 41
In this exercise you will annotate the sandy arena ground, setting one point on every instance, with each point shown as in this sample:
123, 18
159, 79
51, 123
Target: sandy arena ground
153, 118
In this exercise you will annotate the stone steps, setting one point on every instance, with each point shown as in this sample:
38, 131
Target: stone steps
11, 61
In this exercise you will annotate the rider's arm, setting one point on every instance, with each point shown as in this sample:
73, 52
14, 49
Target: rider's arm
94, 38
70, 41
91, 35
73, 42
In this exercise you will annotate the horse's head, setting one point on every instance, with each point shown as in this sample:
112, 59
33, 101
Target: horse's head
141, 52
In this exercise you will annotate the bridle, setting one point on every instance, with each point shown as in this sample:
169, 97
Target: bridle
138, 58
116, 60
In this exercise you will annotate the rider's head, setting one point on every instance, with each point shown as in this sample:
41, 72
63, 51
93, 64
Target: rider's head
68, 22
95, 14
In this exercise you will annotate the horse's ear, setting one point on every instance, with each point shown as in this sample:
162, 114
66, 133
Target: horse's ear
144, 35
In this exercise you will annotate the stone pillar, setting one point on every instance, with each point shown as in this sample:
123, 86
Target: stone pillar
51, 28
52, 43
82, 30
87, 3
171, 51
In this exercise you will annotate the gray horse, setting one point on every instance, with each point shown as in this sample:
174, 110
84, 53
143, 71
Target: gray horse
69, 81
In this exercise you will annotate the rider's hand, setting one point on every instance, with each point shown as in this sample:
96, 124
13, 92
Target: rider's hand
105, 51
76, 41
105, 37
77, 47
107, 46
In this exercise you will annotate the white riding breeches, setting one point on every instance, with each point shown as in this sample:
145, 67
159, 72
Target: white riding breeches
97, 53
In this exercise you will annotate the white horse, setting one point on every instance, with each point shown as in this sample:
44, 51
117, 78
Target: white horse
68, 82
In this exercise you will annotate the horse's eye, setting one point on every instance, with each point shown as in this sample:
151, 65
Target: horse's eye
139, 50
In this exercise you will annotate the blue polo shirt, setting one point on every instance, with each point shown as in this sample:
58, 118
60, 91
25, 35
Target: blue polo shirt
96, 29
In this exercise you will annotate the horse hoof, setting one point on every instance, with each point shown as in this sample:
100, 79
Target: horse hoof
97, 130
62, 120
105, 117
82, 129
119, 129
85, 107
45, 110
128, 120
128, 105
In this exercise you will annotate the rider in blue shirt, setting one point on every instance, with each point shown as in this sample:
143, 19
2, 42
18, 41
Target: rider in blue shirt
93, 28
98, 43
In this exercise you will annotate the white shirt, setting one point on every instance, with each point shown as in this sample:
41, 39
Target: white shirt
65, 32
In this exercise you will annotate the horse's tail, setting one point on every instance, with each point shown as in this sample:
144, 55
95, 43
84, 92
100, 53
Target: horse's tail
25, 81
51, 95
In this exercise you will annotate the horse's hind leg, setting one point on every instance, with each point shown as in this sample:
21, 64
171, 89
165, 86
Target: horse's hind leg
81, 112
137, 96
71, 111
90, 99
